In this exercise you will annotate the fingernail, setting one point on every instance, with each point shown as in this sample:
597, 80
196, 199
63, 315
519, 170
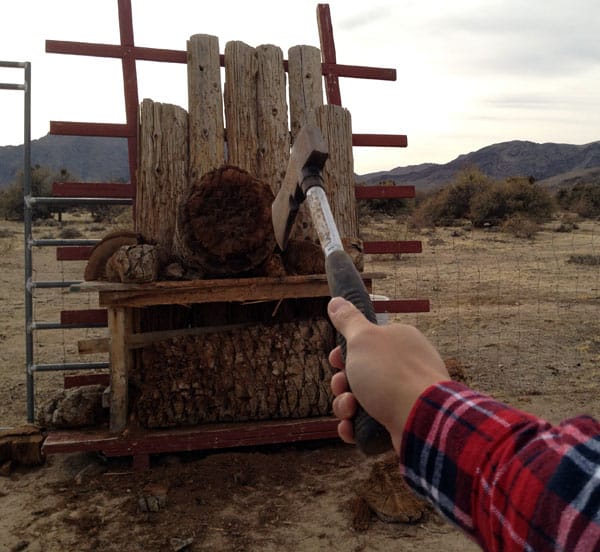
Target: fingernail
336, 304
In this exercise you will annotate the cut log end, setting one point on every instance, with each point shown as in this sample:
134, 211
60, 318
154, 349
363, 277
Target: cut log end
226, 223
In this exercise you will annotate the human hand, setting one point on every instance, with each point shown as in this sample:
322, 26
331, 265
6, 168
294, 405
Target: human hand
388, 368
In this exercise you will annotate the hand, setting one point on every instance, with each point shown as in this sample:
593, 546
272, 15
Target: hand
388, 368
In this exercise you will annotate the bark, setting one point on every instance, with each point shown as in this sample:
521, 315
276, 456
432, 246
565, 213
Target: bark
259, 372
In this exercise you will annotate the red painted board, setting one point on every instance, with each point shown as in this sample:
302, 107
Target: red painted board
384, 192
88, 316
375, 247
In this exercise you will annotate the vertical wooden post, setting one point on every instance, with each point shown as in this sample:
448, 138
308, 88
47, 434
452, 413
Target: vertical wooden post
336, 125
162, 175
205, 106
272, 118
240, 106
120, 326
306, 96
306, 86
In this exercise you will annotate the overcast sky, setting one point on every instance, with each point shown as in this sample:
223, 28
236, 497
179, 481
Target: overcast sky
470, 73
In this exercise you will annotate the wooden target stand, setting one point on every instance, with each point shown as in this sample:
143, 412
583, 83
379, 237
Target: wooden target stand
120, 301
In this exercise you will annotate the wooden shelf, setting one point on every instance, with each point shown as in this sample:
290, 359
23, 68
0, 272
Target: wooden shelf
211, 291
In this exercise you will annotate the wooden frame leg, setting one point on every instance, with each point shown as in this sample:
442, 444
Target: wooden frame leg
120, 326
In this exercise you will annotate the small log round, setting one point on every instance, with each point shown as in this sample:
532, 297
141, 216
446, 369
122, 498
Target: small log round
225, 222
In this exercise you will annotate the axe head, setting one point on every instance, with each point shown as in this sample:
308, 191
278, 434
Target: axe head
307, 159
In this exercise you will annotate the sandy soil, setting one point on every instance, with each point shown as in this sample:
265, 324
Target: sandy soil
516, 314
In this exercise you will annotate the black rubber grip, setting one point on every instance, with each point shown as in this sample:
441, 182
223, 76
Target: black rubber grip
345, 281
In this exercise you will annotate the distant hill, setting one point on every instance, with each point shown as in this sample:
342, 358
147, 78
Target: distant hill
87, 158
549, 163
105, 159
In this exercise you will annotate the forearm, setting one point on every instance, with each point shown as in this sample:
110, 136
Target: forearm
504, 476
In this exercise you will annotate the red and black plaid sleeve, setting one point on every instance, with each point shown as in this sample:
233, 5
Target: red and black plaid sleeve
509, 479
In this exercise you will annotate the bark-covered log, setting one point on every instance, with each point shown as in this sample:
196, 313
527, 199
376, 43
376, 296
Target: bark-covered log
260, 372
225, 222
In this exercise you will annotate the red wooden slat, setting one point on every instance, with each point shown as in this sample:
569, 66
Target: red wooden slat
359, 71
332, 82
79, 380
372, 247
91, 129
92, 189
89, 316
380, 140
74, 253
384, 192
84, 48
402, 305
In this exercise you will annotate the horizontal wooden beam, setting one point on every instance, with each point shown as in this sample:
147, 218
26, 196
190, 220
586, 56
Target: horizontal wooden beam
68, 128
92, 189
73, 253
87, 316
406, 246
180, 56
380, 140
383, 192
208, 436
80, 380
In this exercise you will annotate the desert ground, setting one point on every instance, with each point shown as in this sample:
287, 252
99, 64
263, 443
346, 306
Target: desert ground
519, 316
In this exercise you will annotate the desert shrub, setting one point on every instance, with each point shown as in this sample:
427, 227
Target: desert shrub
11, 199
520, 226
453, 202
583, 199
70, 233
587, 259
107, 213
514, 196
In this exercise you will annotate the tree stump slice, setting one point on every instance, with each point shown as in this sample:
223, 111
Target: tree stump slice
226, 222
205, 105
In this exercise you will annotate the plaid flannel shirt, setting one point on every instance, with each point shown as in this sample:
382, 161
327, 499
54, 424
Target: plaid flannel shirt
510, 480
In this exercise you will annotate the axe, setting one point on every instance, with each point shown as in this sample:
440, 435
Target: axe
303, 181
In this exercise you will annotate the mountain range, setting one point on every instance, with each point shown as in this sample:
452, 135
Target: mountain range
100, 159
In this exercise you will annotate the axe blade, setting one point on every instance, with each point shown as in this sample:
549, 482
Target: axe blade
308, 156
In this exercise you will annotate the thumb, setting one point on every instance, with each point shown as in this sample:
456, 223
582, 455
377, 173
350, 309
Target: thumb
346, 318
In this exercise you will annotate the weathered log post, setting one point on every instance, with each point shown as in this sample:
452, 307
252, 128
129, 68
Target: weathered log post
162, 173
336, 125
241, 68
272, 118
205, 105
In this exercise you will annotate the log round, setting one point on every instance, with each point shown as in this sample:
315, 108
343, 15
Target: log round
225, 222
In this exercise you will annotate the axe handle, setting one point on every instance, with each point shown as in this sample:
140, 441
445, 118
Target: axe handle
345, 281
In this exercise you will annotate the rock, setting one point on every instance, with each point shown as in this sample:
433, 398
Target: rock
388, 496
154, 497
75, 407
178, 544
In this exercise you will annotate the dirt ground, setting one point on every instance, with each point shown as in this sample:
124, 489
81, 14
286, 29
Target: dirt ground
518, 315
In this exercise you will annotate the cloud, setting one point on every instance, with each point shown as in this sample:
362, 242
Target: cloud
513, 37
